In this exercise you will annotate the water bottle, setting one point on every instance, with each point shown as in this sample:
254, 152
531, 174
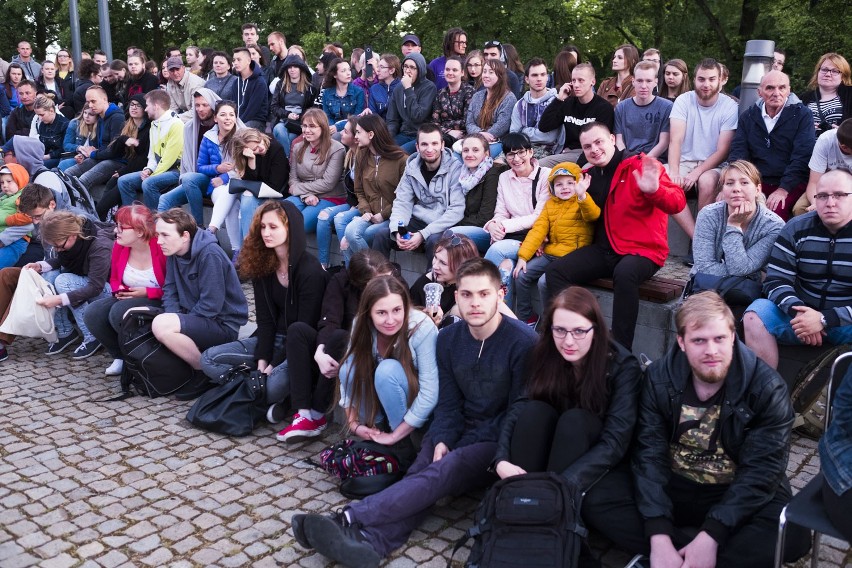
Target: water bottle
402, 231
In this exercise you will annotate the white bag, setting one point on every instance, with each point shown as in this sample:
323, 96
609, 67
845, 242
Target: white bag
25, 317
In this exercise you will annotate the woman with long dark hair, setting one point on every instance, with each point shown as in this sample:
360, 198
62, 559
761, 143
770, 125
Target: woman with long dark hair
620, 86
340, 98
675, 79
389, 377
293, 95
490, 110
580, 401
379, 166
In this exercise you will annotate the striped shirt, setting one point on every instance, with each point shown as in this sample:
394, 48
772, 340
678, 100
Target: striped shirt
810, 266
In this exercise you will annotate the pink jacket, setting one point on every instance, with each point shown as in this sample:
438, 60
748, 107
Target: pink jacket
514, 199
118, 263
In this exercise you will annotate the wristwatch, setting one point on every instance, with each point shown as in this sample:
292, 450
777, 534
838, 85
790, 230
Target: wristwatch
822, 321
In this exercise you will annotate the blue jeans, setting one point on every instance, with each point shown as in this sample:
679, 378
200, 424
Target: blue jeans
777, 323
192, 189
65, 282
10, 253
480, 237
94, 172
152, 187
526, 281
359, 234
407, 143
339, 216
284, 137
500, 251
310, 212
391, 387
66, 163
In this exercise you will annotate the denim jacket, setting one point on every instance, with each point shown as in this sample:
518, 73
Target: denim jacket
340, 108
835, 447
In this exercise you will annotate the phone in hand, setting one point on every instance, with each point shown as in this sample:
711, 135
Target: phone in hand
121, 289
368, 56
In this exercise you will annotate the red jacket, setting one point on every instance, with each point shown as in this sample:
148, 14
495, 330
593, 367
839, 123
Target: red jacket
118, 263
636, 222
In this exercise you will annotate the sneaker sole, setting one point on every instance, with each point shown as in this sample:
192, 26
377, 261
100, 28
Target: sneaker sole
300, 435
297, 522
87, 355
270, 417
325, 535
64, 347
113, 374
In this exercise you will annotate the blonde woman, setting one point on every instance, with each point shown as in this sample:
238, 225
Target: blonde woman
260, 158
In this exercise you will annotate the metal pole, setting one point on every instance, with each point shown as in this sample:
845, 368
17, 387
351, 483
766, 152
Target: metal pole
103, 23
76, 48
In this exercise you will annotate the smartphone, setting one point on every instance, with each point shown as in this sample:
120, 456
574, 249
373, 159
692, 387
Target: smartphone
368, 56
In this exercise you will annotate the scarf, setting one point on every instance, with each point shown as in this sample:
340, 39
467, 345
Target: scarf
74, 259
469, 180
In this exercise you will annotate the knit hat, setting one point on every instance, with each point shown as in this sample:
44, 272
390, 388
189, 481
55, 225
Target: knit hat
18, 173
564, 169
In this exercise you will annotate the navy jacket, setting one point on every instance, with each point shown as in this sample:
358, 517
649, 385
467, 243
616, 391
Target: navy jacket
781, 156
253, 96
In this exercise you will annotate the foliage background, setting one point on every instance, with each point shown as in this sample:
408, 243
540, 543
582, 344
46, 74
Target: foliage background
688, 29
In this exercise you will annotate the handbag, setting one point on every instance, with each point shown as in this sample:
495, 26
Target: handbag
234, 408
25, 317
257, 188
366, 467
735, 290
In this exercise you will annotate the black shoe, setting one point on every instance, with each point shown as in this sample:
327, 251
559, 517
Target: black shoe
62, 343
199, 385
298, 524
688, 260
343, 544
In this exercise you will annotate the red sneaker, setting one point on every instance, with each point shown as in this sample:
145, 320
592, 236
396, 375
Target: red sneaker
302, 428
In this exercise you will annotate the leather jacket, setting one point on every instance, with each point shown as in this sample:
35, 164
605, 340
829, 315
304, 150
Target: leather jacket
756, 421
623, 384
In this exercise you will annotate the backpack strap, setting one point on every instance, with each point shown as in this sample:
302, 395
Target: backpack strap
472, 532
535, 188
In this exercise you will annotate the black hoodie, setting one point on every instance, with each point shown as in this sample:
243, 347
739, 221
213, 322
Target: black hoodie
253, 96
277, 307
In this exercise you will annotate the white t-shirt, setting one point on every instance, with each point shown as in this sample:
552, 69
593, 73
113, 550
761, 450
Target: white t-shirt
827, 155
703, 124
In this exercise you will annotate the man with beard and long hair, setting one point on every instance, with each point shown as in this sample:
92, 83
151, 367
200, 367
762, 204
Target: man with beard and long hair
711, 448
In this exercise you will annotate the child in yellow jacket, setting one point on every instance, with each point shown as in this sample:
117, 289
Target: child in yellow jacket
567, 222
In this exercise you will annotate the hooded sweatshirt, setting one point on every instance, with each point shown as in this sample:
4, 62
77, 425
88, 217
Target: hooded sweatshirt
283, 103
30, 152
204, 283
193, 131
278, 307
380, 94
253, 96
166, 143
525, 118
409, 108
109, 127
9, 203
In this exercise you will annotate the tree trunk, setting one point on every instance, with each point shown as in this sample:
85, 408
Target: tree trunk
748, 19
724, 43
157, 33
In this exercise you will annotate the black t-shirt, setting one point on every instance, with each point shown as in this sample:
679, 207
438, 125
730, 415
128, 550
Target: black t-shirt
571, 114
599, 190
418, 296
427, 173
696, 451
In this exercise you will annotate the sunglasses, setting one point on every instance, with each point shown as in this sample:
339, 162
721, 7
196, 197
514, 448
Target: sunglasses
455, 240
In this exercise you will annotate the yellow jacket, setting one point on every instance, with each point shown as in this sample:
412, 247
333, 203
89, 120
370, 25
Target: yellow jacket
568, 224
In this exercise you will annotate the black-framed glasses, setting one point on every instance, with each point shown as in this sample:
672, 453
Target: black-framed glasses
837, 195
577, 333
63, 245
827, 71
474, 65
517, 154
455, 240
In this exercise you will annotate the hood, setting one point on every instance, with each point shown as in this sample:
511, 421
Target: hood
295, 61
19, 174
209, 96
412, 163
548, 95
296, 225
420, 61
29, 152
255, 71
201, 241
112, 109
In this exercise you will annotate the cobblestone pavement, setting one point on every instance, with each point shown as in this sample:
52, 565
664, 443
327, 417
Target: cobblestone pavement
131, 483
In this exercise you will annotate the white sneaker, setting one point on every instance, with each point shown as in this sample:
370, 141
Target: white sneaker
116, 368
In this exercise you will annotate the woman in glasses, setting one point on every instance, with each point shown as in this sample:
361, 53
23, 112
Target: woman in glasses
473, 68
830, 97
453, 45
579, 407
388, 72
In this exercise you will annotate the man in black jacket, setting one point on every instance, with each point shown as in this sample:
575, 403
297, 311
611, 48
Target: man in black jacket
481, 365
711, 451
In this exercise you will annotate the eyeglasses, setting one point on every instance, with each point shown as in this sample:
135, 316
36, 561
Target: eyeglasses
381, 66
134, 105
121, 229
64, 243
474, 65
460, 42
837, 195
517, 154
827, 71
577, 333
410, 67
455, 239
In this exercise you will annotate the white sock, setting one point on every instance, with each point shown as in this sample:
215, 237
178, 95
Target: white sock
305, 413
315, 415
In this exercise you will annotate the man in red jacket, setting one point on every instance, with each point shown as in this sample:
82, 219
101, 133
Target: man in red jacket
631, 241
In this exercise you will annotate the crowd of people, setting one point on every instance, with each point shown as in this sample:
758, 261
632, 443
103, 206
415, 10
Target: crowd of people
514, 180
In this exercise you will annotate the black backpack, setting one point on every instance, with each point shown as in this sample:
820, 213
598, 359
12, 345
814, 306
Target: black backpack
530, 520
79, 193
150, 368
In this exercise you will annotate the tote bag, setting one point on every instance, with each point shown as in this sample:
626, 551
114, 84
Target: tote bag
25, 317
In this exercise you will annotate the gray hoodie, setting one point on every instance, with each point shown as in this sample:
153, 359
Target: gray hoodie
191, 139
411, 107
525, 118
205, 284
